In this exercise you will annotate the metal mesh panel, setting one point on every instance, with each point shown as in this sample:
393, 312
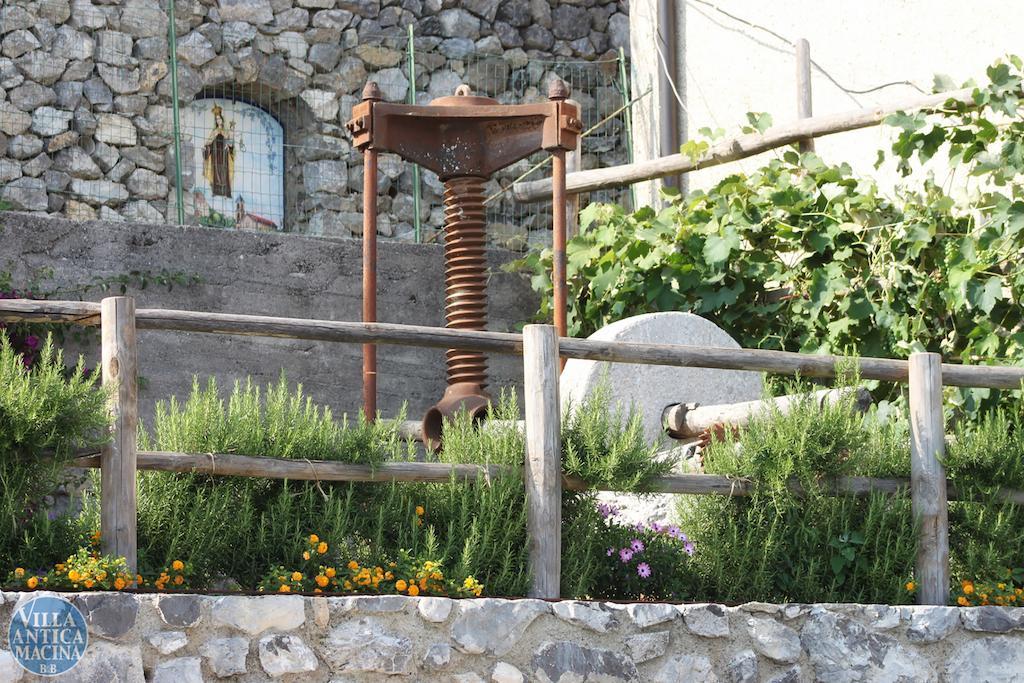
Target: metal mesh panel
89, 127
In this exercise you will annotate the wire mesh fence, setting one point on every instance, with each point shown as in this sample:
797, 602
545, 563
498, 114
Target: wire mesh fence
236, 120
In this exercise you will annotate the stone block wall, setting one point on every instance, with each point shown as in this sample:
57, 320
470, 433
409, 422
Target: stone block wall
192, 638
86, 123
267, 274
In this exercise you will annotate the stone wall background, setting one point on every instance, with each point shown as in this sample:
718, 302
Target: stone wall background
86, 123
267, 274
190, 638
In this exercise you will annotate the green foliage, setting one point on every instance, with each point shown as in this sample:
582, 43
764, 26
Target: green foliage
45, 415
779, 546
803, 255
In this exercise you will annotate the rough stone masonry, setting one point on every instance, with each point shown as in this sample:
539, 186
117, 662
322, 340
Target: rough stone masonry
85, 94
186, 638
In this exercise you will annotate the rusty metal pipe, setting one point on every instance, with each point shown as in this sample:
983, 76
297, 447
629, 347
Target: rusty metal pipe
371, 92
558, 267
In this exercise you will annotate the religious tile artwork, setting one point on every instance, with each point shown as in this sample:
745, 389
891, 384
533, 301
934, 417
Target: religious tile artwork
238, 158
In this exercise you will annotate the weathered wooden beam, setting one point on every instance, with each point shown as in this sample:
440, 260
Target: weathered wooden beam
687, 420
928, 479
543, 459
734, 148
120, 364
757, 360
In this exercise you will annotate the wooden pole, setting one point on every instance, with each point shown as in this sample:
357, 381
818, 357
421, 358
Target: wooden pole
927, 478
803, 88
543, 476
734, 148
118, 458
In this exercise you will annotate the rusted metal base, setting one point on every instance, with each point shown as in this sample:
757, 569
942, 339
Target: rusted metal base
463, 396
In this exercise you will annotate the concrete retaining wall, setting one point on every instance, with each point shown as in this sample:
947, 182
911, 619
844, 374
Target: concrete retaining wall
267, 274
190, 638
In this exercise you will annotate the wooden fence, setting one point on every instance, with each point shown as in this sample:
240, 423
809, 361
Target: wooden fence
541, 349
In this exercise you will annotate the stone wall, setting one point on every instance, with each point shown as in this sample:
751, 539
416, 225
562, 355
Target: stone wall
191, 638
85, 94
267, 274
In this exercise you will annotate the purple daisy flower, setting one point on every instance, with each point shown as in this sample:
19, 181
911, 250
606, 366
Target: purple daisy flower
688, 547
637, 545
644, 570
611, 551
625, 555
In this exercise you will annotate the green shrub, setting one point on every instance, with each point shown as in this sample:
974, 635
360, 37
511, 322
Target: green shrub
45, 415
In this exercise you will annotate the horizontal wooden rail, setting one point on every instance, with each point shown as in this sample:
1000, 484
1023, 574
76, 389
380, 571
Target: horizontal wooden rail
757, 360
733, 148
229, 464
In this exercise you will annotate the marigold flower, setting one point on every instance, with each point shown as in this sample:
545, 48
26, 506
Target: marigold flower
962, 601
400, 585
910, 585
119, 583
177, 565
353, 565
73, 575
19, 572
347, 585
388, 575
305, 554
1001, 586
419, 510
423, 584
414, 590
331, 572
89, 583
101, 575
322, 547
32, 582
178, 580
967, 586
322, 580
313, 539
285, 588
296, 576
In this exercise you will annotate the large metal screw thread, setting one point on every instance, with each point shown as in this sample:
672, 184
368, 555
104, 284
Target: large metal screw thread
465, 273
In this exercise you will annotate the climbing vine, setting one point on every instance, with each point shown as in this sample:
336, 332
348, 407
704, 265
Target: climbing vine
804, 255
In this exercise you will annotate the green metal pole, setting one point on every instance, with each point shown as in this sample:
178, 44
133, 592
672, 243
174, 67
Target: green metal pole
172, 39
415, 167
627, 116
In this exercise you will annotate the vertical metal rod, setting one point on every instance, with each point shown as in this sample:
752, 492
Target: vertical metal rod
118, 459
803, 88
627, 100
668, 109
370, 279
573, 162
172, 44
928, 478
416, 188
558, 282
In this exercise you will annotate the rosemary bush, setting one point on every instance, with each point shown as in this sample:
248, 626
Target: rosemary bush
46, 414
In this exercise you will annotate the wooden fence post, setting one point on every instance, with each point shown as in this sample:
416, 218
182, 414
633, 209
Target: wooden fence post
543, 476
118, 458
928, 478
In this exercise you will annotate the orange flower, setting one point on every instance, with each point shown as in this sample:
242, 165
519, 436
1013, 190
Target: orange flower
414, 590
353, 565
322, 548
419, 510
178, 580
89, 583
32, 582
285, 588
73, 575
177, 565
313, 539
322, 580
305, 555
910, 586
296, 576
119, 583
400, 585
967, 586
331, 572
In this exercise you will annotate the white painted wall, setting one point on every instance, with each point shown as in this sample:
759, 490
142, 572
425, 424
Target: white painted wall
730, 67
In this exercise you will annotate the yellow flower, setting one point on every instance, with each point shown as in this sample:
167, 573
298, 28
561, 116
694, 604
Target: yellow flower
73, 575
305, 555
322, 548
331, 572
178, 580
910, 585
388, 575
296, 576
962, 601
100, 575
32, 582
413, 590
348, 585
60, 567
119, 583
177, 566
322, 580
1001, 586
353, 565
313, 539
285, 588
19, 572
419, 510
400, 585
967, 586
